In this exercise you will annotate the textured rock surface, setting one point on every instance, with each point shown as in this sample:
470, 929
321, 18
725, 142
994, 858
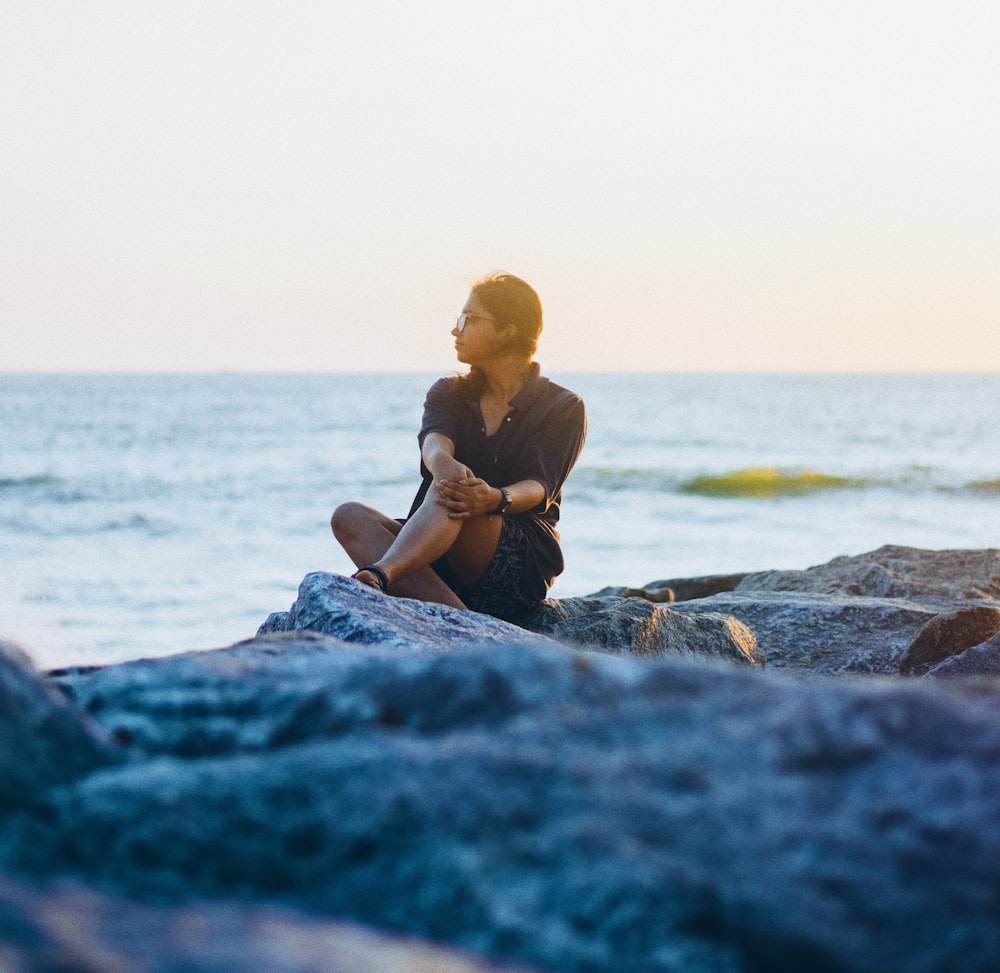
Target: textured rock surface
980, 660
947, 635
72, 929
42, 740
443, 775
353, 612
855, 614
933, 579
571, 810
636, 626
822, 634
350, 611
680, 589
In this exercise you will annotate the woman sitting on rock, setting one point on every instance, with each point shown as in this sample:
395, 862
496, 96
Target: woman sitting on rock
496, 446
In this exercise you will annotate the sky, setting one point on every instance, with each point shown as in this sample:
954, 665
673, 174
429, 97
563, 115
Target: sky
312, 185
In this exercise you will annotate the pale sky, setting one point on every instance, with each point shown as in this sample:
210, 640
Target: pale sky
311, 185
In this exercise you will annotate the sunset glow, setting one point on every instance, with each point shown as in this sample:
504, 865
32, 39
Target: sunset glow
310, 186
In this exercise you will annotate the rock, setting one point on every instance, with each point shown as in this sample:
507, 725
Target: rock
854, 614
72, 928
928, 578
678, 589
43, 740
352, 612
822, 634
637, 626
281, 689
447, 776
572, 810
686, 589
980, 660
660, 596
948, 635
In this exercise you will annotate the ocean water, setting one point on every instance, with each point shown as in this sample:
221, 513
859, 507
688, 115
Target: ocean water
144, 515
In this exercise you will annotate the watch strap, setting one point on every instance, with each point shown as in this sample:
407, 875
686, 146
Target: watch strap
505, 501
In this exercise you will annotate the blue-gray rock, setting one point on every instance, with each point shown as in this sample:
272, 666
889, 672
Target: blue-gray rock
822, 634
573, 810
855, 614
43, 741
640, 627
445, 775
934, 579
339, 606
354, 612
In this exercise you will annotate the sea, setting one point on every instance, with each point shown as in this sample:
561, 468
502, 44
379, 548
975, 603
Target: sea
143, 515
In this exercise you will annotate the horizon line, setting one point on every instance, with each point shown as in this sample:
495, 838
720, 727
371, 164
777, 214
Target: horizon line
249, 372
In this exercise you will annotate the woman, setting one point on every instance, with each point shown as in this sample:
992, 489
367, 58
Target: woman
496, 446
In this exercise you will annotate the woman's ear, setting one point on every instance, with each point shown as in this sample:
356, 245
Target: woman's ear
508, 332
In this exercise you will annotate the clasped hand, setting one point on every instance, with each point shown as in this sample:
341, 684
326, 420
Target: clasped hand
468, 496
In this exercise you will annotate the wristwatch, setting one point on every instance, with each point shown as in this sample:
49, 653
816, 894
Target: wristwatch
505, 502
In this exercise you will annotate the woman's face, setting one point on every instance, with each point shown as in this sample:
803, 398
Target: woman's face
478, 341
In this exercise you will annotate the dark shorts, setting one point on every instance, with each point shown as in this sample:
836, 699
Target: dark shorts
500, 591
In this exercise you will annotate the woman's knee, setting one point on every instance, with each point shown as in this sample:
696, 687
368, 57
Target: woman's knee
347, 518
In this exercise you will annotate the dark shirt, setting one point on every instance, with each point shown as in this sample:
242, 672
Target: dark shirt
539, 439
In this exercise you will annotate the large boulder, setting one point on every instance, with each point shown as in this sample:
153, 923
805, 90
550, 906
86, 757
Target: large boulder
640, 627
934, 579
822, 634
573, 810
43, 740
353, 612
444, 775
854, 614
948, 635
980, 660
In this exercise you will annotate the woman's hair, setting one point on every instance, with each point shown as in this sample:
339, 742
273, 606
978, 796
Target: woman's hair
512, 301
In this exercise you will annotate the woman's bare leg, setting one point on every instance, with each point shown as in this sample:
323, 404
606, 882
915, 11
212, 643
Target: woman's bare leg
405, 552
366, 535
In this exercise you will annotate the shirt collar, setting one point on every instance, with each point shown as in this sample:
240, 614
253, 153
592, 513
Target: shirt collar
531, 390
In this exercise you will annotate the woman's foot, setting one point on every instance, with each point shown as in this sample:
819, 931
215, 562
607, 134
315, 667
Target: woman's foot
374, 577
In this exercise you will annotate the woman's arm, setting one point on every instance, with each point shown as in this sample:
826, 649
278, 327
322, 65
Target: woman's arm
472, 497
438, 455
464, 494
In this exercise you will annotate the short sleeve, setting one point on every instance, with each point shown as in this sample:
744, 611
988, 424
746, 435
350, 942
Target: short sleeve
554, 449
440, 411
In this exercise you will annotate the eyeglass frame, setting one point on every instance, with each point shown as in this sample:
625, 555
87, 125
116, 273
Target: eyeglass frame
463, 319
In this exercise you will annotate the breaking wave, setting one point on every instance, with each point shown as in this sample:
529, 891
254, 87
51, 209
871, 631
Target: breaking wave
771, 482
768, 482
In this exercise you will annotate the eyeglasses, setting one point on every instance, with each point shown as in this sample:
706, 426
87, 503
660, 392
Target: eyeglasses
463, 320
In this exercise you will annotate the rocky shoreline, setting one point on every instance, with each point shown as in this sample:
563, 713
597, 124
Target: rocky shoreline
787, 769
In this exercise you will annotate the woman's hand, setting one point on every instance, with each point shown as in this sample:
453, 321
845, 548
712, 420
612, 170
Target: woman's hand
466, 496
